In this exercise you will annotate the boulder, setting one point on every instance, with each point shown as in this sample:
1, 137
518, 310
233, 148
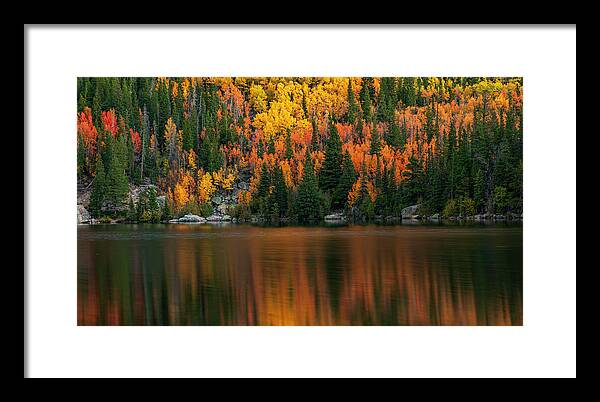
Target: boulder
226, 218
190, 218
335, 217
223, 208
161, 199
217, 199
213, 218
410, 212
83, 216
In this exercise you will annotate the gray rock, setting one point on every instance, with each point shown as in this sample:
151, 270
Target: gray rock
190, 218
335, 217
217, 199
410, 212
213, 218
83, 216
226, 218
243, 185
223, 208
161, 199
174, 221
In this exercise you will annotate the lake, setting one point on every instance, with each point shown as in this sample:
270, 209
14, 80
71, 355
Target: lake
177, 274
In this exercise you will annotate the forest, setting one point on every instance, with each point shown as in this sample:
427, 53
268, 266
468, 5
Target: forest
297, 149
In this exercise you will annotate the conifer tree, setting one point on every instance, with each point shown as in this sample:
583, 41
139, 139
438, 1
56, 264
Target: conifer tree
347, 179
330, 173
98, 188
375, 141
352, 105
308, 194
280, 192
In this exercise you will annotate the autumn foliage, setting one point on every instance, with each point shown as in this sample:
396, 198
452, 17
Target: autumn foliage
195, 137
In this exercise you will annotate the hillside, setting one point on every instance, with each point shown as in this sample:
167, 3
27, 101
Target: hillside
298, 149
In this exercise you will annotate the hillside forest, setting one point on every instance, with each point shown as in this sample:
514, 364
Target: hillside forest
297, 149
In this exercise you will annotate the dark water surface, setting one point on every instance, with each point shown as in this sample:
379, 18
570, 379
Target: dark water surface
351, 275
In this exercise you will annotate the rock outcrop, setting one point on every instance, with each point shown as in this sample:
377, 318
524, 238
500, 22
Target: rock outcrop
335, 217
410, 212
83, 216
189, 218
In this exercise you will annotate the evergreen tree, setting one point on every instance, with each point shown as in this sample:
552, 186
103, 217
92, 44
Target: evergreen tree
308, 194
315, 140
330, 173
98, 189
375, 141
265, 182
347, 179
352, 105
280, 192
365, 99
117, 184
394, 136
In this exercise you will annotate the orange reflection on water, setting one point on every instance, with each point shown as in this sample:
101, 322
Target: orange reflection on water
237, 275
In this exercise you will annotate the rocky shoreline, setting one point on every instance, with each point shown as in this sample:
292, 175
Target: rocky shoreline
408, 215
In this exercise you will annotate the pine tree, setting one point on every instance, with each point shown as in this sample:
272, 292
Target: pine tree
375, 141
98, 188
265, 182
352, 105
394, 135
308, 194
315, 141
330, 173
280, 192
365, 98
347, 179
117, 184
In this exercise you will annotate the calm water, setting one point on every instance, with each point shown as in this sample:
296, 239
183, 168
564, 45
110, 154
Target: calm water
353, 275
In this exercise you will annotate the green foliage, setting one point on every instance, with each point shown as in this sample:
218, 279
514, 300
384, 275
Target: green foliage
375, 141
280, 193
309, 199
166, 213
329, 175
501, 199
347, 179
148, 210
98, 189
462, 206
353, 110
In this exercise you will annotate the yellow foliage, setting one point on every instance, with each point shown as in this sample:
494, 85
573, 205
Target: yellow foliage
180, 196
258, 98
223, 179
192, 160
206, 188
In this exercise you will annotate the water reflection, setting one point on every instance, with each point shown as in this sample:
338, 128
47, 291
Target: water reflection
244, 275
